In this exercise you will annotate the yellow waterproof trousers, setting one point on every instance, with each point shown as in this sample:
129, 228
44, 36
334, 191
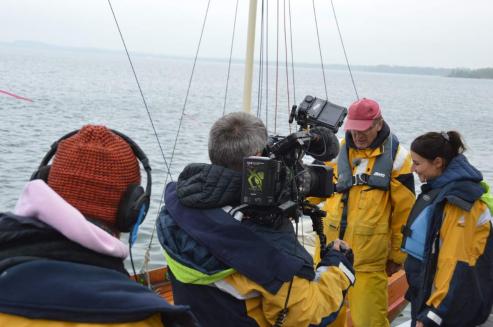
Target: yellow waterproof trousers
367, 301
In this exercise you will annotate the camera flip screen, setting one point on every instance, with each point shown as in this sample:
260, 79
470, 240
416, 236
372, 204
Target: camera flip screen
327, 114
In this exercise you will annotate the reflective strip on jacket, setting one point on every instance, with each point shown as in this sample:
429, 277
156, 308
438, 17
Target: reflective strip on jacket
374, 217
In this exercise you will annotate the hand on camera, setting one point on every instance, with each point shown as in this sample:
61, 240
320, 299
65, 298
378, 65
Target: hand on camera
343, 247
339, 254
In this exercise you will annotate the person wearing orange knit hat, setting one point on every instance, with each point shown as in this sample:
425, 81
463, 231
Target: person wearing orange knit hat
91, 170
64, 232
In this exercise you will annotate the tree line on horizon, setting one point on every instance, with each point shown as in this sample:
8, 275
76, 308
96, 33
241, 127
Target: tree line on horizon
472, 73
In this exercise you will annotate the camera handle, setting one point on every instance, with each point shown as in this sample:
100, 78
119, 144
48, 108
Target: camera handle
292, 115
316, 215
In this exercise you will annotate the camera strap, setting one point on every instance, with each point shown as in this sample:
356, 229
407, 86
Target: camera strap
343, 224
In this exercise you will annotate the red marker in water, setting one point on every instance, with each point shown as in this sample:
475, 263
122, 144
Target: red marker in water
15, 96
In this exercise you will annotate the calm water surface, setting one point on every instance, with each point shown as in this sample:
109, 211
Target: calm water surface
71, 88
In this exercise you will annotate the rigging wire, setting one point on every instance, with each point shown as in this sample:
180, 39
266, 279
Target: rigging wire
294, 101
286, 60
147, 253
277, 68
230, 56
140, 90
344, 49
292, 57
320, 49
168, 166
189, 86
267, 65
260, 74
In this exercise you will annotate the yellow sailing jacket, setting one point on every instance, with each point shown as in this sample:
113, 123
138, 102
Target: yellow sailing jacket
310, 302
463, 238
374, 216
18, 321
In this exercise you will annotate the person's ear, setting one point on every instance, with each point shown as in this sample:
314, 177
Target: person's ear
439, 163
380, 125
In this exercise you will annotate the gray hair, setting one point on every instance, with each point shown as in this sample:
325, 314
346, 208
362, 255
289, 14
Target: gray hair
235, 136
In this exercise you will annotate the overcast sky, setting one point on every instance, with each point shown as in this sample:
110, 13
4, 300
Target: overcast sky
439, 33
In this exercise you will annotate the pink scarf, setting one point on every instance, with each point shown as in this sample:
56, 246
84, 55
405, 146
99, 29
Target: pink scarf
40, 201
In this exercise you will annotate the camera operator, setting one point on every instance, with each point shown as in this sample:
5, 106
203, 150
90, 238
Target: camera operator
232, 270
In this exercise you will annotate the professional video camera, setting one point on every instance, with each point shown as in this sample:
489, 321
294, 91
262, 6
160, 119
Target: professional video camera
276, 185
268, 180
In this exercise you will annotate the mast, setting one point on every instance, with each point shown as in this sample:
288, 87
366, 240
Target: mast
247, 86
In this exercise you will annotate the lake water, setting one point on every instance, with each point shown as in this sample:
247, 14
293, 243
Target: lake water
71, 88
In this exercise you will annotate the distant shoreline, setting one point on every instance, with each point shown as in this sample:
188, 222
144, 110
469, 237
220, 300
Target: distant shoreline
485, 73
481, 73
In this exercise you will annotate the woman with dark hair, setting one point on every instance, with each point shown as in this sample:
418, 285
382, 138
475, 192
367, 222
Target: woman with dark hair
448, 237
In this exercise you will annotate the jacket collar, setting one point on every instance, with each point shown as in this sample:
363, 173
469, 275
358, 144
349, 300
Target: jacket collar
458, 169
204, 186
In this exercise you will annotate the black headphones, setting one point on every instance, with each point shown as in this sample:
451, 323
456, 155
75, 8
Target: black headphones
135, 200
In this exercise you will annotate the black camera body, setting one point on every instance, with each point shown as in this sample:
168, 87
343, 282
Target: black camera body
268, 181
280, 176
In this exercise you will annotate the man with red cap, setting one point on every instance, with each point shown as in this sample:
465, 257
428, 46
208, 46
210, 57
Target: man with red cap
61, 262
375, 193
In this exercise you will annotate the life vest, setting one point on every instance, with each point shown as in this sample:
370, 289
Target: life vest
380, 175
427, 206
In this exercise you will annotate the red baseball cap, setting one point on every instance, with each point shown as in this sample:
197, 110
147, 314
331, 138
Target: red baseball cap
361, 115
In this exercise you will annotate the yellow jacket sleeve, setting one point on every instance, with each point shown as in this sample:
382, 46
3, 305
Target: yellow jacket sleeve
12, 320
402, 200
309, 301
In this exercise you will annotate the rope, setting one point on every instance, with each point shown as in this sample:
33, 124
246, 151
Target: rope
140, 90
18, 97
320, 49
344, 49
189, 86
230, 56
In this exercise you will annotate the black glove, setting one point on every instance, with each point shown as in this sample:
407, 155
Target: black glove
348, 253
343, 261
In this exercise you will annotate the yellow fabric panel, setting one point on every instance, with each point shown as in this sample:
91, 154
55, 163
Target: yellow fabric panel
309, 302
17, 321
375, 218
461, 240
368, 300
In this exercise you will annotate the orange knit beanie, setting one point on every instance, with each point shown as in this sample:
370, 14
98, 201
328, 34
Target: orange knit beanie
92, 169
